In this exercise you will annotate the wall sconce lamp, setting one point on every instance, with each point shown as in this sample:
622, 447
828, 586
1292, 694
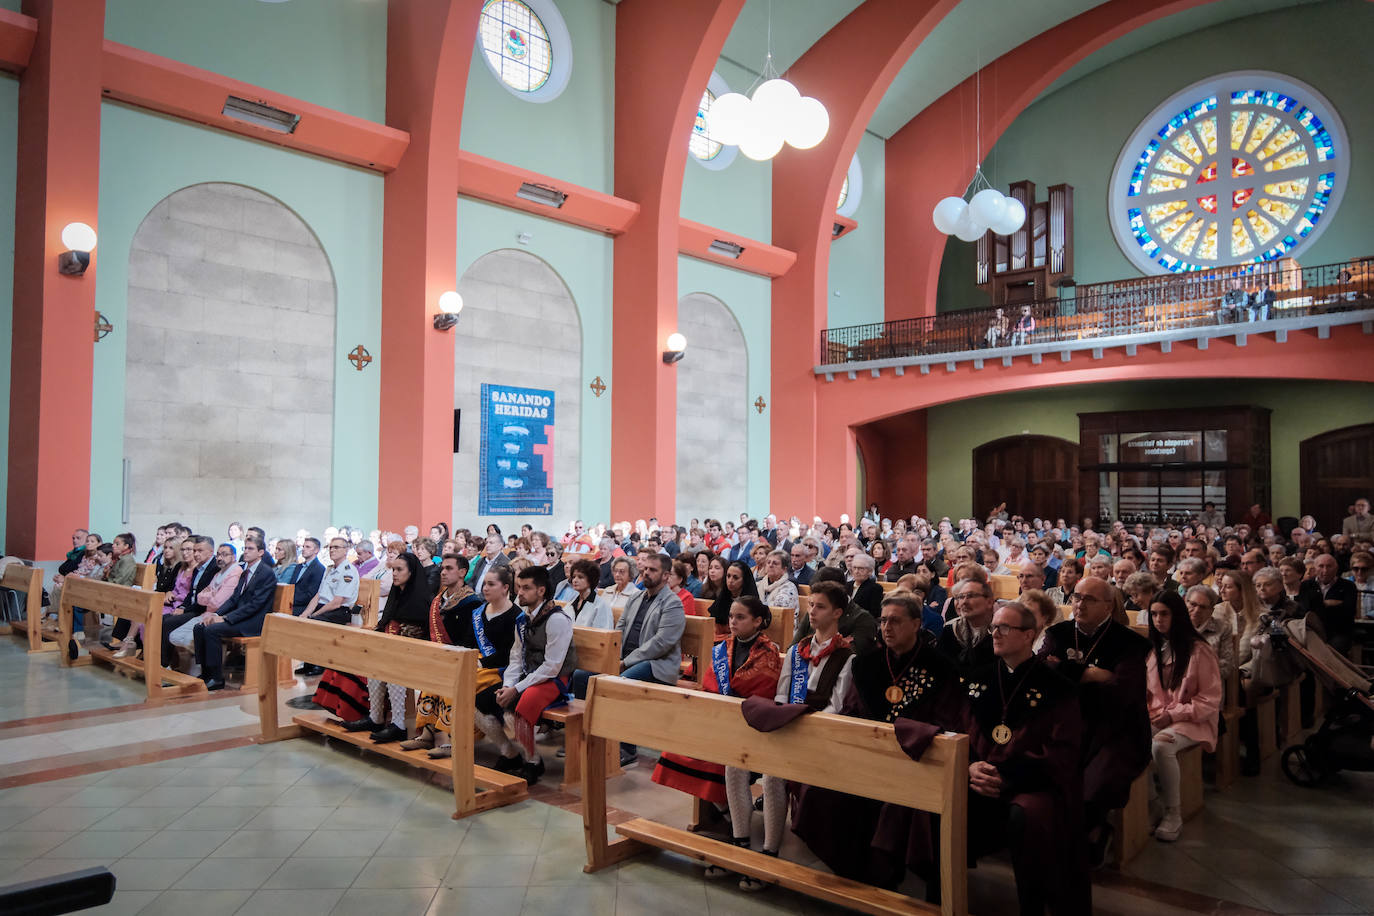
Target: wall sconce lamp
450, 304
677, 346
80, 241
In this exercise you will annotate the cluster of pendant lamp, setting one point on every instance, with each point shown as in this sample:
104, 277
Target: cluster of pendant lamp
988, 209
775, 114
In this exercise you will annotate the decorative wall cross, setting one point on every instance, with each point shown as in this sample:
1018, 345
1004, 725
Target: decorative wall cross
102, 326
760, 404
359, 357
598, 387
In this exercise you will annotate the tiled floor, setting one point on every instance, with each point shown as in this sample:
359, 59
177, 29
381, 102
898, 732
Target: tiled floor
302, 827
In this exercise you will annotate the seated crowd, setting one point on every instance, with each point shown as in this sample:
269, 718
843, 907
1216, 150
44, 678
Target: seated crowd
1064, 711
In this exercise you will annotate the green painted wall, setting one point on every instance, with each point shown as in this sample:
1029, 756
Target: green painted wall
582, 259
739, 197
748, 297
327, 52
856, 259
9, 133
1301, 409
144, 158
1076, 134
569, 138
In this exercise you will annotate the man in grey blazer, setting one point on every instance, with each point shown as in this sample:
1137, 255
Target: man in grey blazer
651, 634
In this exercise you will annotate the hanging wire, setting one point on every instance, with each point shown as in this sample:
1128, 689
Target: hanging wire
769, 72
979, 180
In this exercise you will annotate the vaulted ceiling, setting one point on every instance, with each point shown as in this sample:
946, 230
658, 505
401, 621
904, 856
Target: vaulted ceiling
974, 33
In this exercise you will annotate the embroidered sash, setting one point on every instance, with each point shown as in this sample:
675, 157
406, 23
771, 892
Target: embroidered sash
720, 663
796, 691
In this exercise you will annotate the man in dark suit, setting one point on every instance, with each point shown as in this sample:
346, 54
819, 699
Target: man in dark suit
1261, 300
748, 533
799, 572
241, 615
203, 555
1333, 600
307, 577
491, 556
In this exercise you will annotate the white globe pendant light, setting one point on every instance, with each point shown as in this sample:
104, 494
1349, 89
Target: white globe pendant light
759, 142
988, 206
728, 117
810, 123
773, 102
1013, 216
968, 229
947, 213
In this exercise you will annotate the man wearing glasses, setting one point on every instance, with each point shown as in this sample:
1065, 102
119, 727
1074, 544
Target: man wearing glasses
1025, 787
1107, 660
333, 603
907, 679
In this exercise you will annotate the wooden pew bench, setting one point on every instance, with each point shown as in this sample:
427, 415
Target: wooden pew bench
710, 727
251, 646
597, 651
28, 581
133, 604
419, 665
1004, 587
698, 638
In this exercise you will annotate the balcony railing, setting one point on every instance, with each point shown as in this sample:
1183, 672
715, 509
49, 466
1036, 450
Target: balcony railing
1129, 307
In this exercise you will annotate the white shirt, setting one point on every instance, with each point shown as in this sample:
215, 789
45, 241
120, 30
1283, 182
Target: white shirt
559, 630
814, 676
339, 582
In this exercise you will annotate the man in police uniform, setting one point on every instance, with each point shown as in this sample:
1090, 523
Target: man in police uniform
333, 603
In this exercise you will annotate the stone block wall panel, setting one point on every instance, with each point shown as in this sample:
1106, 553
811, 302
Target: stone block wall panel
712, 411
229, 377
519, 326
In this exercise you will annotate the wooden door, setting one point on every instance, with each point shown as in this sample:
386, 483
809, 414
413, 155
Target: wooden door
1036, 476
1336, 469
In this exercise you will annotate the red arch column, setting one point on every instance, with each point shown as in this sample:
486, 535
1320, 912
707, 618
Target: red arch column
429, 48
664, 53
848, 69
52, 361
924, 162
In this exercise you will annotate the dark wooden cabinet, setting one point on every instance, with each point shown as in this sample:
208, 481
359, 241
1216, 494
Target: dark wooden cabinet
1155, 466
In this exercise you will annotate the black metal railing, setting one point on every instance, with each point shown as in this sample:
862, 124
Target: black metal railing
1102, 310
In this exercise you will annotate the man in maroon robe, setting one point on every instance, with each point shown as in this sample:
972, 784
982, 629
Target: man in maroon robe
858, 837
1025, 787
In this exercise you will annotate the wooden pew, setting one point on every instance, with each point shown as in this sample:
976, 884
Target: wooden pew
1005, 587
887, 586
134, 604
1227, 755
698, 637
803, 589
1132, 823
703, 607
145, 576
252, 645
710, 727
370, 600
780, 630
29, 581
419, 665
597, 651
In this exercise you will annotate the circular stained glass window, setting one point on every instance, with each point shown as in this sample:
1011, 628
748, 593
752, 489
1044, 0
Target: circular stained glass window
526, 46
702, 145
844, 193
1242, 168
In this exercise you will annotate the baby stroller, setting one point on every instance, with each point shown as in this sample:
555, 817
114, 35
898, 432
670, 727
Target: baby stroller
1345, 740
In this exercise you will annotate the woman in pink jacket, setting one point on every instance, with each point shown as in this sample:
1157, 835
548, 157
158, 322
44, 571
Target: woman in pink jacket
1183, 690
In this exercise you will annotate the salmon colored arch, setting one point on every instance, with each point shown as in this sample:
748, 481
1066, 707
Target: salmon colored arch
919, 172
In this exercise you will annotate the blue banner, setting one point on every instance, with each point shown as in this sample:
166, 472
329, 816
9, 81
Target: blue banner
517, 451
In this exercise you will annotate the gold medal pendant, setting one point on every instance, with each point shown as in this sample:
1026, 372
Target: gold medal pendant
1001, 734
893, 694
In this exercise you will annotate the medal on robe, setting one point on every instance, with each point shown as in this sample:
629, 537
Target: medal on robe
893, 694
1001, 734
